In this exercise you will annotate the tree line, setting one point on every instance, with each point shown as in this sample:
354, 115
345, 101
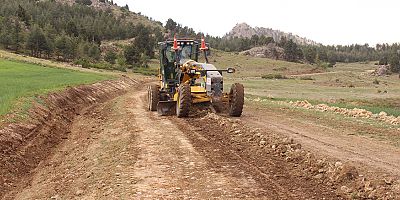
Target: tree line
69, 32
326, 55
74, 33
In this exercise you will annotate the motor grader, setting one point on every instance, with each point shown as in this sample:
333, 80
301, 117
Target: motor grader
184, 81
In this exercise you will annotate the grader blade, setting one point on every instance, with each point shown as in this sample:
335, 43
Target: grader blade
166, 108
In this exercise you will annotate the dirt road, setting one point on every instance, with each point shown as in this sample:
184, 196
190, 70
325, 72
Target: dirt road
119, 150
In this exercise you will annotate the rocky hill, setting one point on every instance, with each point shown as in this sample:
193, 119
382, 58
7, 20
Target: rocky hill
119, 12
246, 31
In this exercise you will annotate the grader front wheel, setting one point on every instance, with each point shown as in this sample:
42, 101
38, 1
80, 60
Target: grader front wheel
153, 97
184, 101
236, 100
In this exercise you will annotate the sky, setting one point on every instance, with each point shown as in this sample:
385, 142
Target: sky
328, 22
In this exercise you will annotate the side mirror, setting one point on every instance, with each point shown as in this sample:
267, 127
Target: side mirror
231, 70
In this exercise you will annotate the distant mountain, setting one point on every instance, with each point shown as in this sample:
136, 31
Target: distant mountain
244, 30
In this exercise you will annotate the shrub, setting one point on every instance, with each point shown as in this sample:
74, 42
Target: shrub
376, 81
325, 65
83, 62
307, 78
280, 69
84, 2
110, 57
274, 76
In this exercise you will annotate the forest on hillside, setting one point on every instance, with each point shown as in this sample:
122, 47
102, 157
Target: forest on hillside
75, 32
68, 32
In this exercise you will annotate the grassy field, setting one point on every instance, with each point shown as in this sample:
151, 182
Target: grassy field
346, 85
20, 82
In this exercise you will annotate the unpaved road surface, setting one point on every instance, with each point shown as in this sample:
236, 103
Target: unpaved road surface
119, 150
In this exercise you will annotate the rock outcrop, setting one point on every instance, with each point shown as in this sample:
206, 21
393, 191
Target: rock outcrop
271, 51
246, 31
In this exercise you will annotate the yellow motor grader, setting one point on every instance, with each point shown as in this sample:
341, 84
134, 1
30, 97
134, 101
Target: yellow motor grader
184, 81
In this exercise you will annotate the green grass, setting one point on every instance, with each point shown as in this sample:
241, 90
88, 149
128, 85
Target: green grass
347, 85
247, 66
20, 82
376, 109
372, 106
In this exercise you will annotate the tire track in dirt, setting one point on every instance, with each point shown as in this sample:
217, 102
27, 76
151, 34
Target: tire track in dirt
170, 167
270, 172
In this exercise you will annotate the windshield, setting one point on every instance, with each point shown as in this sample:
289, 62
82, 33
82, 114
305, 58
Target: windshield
170, 54
186, 52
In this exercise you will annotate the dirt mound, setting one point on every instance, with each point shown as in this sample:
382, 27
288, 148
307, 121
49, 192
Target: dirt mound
24, 145
355, 112
295, 168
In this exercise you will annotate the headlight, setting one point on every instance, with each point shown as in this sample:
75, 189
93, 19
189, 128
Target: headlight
231, 70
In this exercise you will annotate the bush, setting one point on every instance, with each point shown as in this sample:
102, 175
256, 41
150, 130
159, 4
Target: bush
274, 76
307, 78
120, 68
280, 69
110, 57
84, 2
376, 81
325, 65
83, 62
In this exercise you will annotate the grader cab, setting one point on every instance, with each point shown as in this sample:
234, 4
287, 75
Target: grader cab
184, 81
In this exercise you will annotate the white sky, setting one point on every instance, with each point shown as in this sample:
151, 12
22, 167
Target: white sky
324, 21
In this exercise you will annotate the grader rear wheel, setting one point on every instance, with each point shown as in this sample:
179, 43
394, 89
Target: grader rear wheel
236, 100
184, 101
153, 97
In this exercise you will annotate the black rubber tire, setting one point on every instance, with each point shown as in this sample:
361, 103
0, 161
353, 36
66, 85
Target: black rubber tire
236, 100
184, 101
153, 97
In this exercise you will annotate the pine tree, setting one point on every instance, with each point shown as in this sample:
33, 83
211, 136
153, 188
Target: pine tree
94, 52
22, 15
16, 37
36, 41
394, 62
292, 51
65, 47
110, 57
132, 55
